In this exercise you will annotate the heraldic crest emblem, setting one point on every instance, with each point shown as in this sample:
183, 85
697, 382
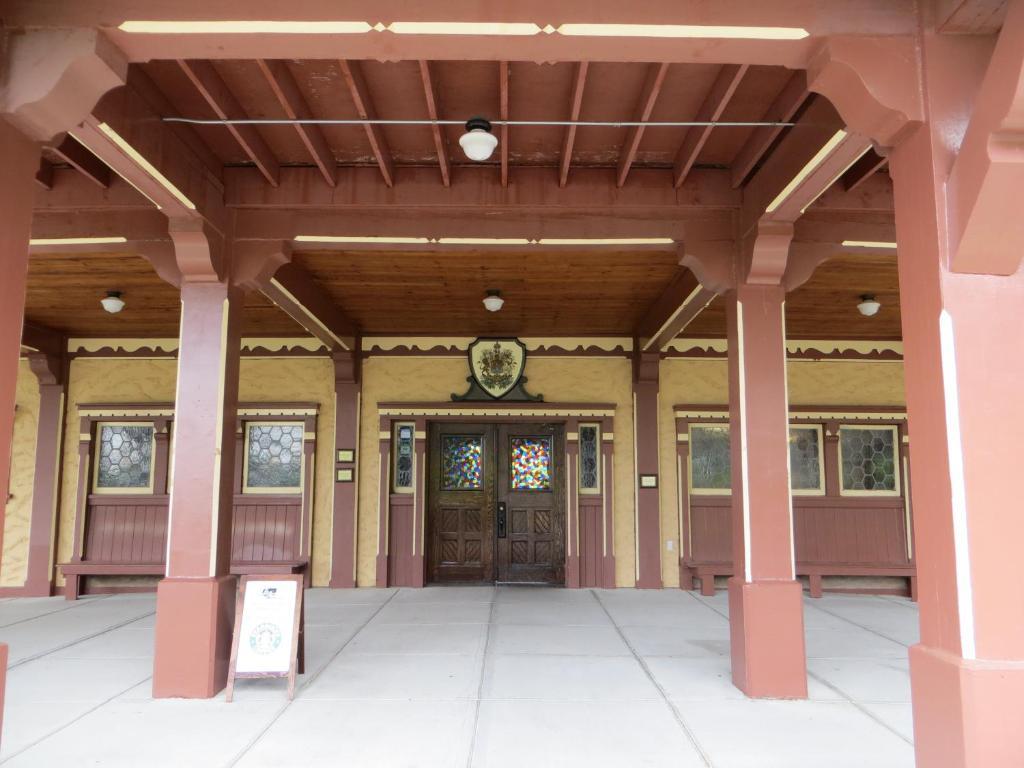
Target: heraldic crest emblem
496, 371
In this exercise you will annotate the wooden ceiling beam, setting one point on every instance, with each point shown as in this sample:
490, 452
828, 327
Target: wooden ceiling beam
44, 176
782, 110
42, 338
682, 300
797, 172
718, 98
579, 81
225, 106
353, 74
862, 170
282, 83
648, 97
433, 112
83, 161
503, 110
970, 17
302, 298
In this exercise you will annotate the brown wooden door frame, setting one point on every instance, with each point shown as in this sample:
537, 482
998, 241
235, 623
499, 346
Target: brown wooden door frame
462, 542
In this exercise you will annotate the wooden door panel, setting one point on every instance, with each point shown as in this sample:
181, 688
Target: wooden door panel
534, 548
460, 522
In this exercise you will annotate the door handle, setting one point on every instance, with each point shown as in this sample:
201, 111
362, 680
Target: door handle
502, 519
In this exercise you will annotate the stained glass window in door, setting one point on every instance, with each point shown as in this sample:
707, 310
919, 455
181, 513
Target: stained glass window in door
125, 461
462, 462
590, 473
273, 462
531, 463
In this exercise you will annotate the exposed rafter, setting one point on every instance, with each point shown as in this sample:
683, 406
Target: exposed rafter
682, 300
789, 100
722, 90
222, 101
503, 143
863, 169
649, 95
302, 298
579, 81
294, 104
83, 161
433, 110
353, 74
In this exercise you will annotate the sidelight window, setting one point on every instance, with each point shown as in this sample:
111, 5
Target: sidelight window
590, 458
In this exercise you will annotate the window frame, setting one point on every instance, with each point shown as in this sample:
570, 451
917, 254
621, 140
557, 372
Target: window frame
551, 463
98, 446
598, 479
247, 490
689, 459
483, 446
897, 461
821, 490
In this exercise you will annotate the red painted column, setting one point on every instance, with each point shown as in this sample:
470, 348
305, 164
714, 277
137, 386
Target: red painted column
346, 469
765, 599
572, 507
19, 159
964, 364
51, 373
647, 470
195, 602
383, 502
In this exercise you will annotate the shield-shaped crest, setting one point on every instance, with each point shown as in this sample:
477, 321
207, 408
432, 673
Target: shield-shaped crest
497, 364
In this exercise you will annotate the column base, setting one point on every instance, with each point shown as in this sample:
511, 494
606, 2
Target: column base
194, 621
766, 629
966, 713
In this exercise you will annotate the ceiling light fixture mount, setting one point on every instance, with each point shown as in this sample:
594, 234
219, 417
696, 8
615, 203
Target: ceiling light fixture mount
868, 306
113, 302
493, 301
478, 142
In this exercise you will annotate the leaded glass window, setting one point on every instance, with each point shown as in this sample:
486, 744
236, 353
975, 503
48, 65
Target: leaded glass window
867, 458
531, 463
710, 461
590, 451
125, 460
405, 435
273, 457
462, 462
805, 460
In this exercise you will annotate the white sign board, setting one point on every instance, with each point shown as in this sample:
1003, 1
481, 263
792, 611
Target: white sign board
266, 629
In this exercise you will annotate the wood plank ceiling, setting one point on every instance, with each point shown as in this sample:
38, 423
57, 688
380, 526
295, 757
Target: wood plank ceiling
547, 292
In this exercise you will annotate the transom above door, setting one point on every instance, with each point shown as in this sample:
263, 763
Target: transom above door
497, 503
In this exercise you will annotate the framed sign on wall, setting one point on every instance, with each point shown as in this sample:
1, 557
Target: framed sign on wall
268, 638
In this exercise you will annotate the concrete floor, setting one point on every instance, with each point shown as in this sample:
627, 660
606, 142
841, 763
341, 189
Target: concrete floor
465, 676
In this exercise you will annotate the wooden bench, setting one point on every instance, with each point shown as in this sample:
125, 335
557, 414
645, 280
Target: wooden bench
75, 572
707, 572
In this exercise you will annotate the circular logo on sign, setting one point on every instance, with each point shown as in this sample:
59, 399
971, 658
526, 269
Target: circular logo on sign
265, 638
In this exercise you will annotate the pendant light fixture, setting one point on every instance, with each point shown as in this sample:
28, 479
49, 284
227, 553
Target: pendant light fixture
113, 302
493, 301
868, 305
478, 142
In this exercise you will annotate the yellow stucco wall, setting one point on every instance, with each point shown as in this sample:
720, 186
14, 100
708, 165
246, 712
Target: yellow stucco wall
706, 382
14, 562
139, 380
434, 379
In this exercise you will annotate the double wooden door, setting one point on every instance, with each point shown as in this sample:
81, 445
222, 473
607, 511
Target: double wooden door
496, 504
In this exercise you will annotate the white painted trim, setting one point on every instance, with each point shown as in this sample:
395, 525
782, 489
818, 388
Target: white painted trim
218, 440
958, 490
744, 459
789, 467
636, 500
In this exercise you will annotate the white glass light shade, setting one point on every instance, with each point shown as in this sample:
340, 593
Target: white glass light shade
113, 303
868, 306
478, 144
493, 302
